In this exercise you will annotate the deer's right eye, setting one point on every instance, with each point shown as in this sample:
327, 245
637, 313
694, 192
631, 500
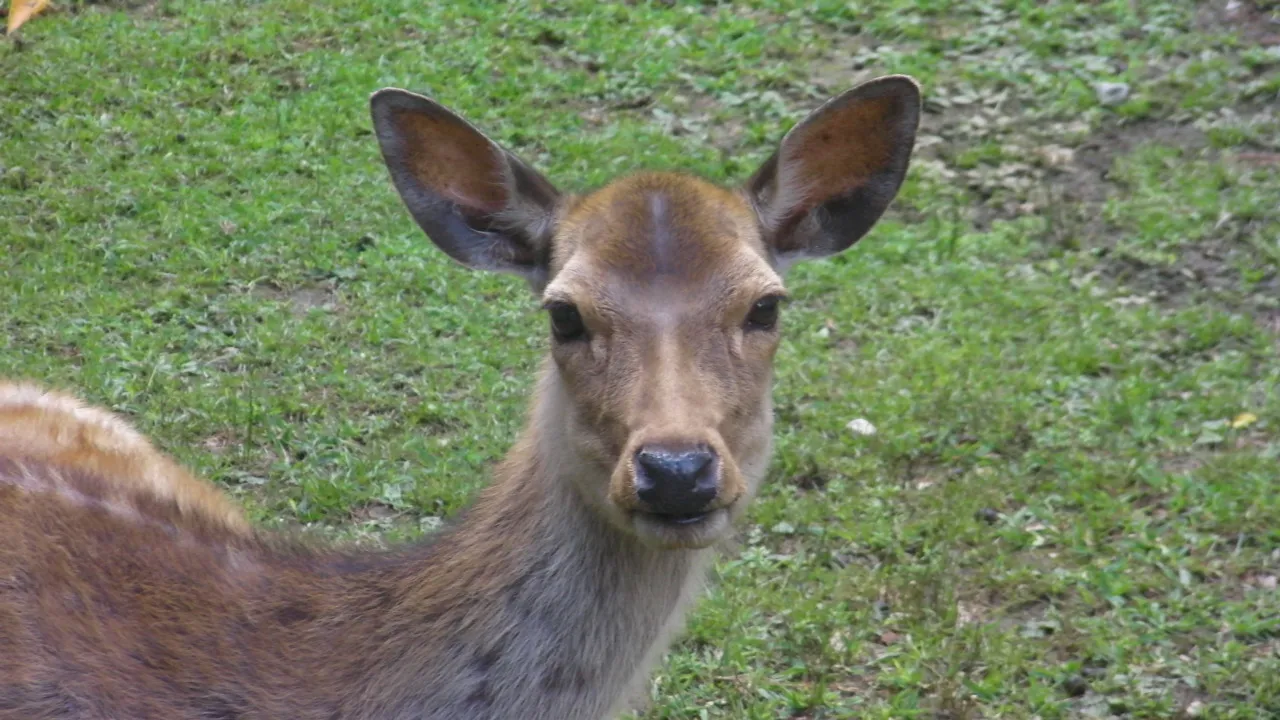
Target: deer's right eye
566, 322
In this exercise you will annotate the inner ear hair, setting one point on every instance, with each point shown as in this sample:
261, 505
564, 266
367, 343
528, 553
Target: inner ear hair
837, 170
477, 201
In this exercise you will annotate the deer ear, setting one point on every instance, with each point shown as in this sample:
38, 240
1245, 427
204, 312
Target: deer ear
477, 202
837, 170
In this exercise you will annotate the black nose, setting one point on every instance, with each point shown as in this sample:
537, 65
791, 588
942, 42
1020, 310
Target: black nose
676, 481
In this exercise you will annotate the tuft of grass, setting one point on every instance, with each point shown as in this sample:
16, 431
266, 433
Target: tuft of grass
1056, 330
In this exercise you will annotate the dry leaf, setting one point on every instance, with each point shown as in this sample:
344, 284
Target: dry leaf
839, 641
21, 11
1244, 420
1056, 156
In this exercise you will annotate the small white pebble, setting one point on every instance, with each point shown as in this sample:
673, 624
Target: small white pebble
861, 426
1112, 93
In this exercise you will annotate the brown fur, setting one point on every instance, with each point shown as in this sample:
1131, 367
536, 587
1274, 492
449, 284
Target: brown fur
130, 589
670, 371
59, 430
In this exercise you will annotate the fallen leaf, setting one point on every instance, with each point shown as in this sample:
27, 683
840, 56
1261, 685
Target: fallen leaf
1056, 156
839, 641
374, 512
21, 11
1243, 420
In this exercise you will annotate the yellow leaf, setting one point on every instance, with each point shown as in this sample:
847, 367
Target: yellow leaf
21, 11
1244, 420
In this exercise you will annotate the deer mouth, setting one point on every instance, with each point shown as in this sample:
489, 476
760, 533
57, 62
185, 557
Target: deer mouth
689, 519
684, 531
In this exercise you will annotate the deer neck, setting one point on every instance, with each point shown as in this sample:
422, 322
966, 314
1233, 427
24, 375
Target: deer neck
534, 605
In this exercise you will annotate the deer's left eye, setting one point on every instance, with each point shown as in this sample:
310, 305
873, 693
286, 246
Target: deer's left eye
566, 322
764, 314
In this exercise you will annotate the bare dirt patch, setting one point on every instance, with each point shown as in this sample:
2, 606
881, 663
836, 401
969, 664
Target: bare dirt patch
1070, 187
842, 68
1210, 270
1088, 176
1256, 21
1047, 176
1016, 162
302, 299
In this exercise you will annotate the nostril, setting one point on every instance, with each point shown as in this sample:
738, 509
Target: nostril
645, 478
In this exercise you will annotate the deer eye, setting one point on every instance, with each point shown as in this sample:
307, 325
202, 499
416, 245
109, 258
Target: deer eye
566, 322
764, 314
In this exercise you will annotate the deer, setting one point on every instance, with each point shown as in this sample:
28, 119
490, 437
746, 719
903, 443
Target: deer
130, 588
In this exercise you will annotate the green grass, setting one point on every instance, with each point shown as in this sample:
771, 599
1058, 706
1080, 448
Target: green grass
1052, 330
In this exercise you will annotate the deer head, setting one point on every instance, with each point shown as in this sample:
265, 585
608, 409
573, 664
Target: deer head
663, 290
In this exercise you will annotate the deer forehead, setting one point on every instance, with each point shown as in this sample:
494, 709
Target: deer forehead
656, 241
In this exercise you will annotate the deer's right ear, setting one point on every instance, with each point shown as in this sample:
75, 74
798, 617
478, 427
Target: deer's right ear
479, 203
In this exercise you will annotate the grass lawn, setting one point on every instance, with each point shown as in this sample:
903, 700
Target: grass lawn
1066, 331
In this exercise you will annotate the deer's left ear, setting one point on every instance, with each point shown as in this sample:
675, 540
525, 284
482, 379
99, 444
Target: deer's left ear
837, 170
